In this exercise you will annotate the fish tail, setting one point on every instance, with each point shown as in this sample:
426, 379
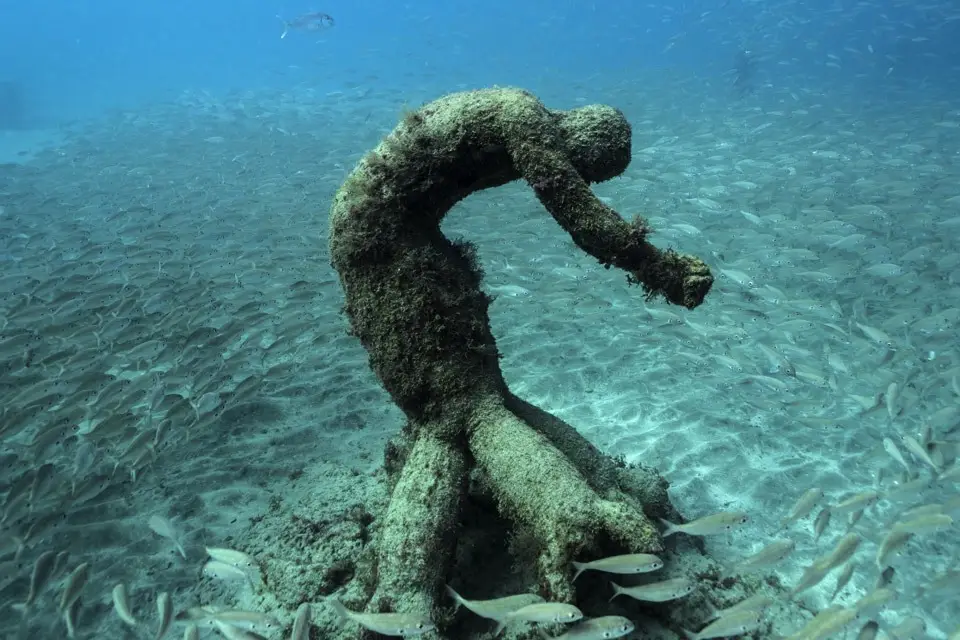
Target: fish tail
714, 613
670, 528
617, 590
580, 569
339, 609
456, 597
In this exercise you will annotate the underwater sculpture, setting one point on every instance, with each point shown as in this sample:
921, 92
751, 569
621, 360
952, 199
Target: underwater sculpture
414, 300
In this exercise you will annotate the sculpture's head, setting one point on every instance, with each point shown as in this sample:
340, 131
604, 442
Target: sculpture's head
598, 138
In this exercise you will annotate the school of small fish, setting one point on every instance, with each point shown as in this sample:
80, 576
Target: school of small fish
164, 277
123, 353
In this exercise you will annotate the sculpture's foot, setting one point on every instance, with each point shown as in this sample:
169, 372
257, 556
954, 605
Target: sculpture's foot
539, 489
418, 534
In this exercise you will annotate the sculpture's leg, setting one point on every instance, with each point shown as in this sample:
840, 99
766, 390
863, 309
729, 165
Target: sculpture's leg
535, 485
417, 536
605, 475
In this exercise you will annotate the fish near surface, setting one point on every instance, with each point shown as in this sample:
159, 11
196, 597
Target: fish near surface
313, 21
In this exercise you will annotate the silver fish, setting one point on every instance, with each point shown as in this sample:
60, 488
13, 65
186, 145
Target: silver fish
843, 579
913, 628
891, 544
626, 564
231, 632
238, 559
708, 525
496, 608
733, 624
924, 523
656, 592
164, 614
42, 570
75, 583
70, 617
846, 547
757, 602
262, 623
553, 612
875, 601
164, 527
826, 623
121, 605
223, 571
856, 502
803, 507
389, 624
602, 628
301, 624
313, 21
770, 555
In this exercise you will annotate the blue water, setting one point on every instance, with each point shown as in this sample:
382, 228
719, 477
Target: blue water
78, 59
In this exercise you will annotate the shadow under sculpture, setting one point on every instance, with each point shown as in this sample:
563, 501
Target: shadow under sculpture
414, 300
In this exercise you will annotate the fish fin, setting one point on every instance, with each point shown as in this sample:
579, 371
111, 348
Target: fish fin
689, 635
286, 27
456, 597
500, 627
670, 528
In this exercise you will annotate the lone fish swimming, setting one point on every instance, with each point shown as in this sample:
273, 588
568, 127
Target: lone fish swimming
313, 21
